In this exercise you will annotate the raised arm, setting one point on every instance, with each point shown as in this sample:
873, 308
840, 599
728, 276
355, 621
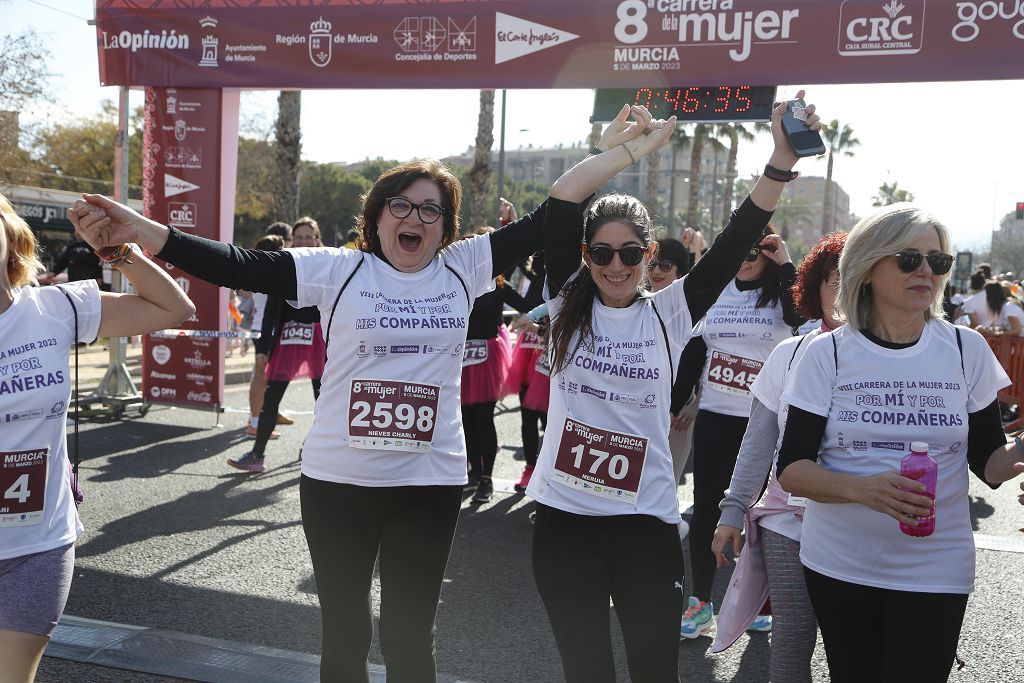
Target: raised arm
712, 273
105, 223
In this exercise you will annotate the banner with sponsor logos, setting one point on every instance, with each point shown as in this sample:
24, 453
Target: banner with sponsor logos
565, 44
189, 164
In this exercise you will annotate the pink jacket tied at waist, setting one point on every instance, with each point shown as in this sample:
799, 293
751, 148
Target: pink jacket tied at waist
748, 587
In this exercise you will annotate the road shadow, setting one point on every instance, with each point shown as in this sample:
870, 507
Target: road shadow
980, 509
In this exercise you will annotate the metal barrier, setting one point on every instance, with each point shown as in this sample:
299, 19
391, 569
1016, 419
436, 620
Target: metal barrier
1009, 350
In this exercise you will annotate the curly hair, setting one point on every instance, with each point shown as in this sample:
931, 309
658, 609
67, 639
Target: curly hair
393, 182
817, 266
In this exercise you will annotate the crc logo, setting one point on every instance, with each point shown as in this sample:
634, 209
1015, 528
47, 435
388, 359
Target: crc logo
894, 28
182, 214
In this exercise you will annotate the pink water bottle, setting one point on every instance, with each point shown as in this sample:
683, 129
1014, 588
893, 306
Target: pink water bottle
920, 466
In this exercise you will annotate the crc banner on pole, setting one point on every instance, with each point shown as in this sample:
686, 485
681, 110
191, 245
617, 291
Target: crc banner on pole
564, 44
189, 164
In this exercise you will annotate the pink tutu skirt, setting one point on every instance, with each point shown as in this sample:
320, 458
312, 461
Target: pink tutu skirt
527, 351
300, 353
537, 393
483, 381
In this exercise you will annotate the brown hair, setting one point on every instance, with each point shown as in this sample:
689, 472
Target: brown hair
393, 182
820, 262
269, 243
311, 222
22, 261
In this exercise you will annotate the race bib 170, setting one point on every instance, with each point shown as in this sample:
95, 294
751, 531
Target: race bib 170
600, 462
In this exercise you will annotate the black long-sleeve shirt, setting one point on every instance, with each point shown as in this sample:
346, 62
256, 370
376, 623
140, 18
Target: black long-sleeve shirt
273, 272
275, 315
485, 320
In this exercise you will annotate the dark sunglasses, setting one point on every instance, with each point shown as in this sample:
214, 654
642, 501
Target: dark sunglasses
630, 256
664, 265
909, 261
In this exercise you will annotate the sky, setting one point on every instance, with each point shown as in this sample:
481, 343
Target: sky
930, 138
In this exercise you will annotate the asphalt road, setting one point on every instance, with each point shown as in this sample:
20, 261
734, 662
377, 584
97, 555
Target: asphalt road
176, 539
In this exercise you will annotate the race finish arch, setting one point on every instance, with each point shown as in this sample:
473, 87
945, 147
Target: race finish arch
194, 56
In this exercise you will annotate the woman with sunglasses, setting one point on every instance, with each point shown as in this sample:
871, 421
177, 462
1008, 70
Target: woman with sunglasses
292, 342
770, 563
606, 500
751, 317
39, 521
384, 465
889, 599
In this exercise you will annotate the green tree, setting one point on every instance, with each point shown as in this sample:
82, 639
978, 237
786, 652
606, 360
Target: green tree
482, 209
839, 141
891, 193
333, 196
371, 170
24, 70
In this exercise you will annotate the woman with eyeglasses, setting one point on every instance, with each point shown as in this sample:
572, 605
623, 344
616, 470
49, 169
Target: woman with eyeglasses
384, 464
752, 316
770, 563
292, 344
607, 511
890, 597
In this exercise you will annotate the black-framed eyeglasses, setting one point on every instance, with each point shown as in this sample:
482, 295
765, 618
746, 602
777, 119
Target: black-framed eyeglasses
910, 260
662, 264
400, 207
630, 256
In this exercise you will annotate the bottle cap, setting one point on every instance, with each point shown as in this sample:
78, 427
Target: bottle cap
919, 446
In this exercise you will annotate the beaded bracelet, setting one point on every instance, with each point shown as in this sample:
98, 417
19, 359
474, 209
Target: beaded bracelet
118, 256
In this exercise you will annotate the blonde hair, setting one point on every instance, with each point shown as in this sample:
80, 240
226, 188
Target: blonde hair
887, 232
22, 261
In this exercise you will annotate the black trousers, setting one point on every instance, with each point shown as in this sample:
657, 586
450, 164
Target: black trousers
268, 414
529, 431
889, 636
580, 561
411, 528
481, 438
716, 443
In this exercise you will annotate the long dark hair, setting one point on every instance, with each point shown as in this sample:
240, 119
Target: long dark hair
996, 297
771, 278
576, 313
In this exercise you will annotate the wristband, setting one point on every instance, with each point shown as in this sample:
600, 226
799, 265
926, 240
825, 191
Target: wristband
778, 174
631, 157
119, 256
594, 151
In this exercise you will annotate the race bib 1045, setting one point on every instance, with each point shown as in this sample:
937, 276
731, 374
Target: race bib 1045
600, 462
732, 374
392, 415
22, 486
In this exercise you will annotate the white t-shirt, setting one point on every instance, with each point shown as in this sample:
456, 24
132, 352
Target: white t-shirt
37, 507
768, 389
739, 338
978, 305
389, 406
878, 402
606, 449
1009, 310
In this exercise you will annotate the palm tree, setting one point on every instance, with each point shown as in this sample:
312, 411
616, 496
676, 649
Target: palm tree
653, 161
701, 133
840, 141
288, 155
678, 144
891, 193
481, 210
735, 133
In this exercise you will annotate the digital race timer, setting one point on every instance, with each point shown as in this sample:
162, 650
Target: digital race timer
690, 103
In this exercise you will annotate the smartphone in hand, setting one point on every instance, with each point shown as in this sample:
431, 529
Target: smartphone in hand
804, 141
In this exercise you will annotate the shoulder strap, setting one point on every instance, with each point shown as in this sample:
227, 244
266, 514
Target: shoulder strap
835, 353
461, 282
74, 343
795, 349
668, 348
344, 286
960, 345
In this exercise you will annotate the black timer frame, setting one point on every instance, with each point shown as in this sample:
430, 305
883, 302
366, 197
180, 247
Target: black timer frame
690, 103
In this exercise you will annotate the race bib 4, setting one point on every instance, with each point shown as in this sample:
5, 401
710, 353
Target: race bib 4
22, 486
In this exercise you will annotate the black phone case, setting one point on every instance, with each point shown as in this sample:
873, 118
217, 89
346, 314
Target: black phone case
804, 141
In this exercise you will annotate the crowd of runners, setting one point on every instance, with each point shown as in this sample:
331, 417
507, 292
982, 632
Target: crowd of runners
630, 354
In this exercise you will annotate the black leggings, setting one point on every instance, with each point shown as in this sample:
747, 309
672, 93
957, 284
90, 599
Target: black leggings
889, 636
481, 438
412, 528
268, 414
531, 435
580, 561
716, 443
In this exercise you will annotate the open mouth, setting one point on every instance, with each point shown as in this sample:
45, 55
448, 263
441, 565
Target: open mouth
409, 241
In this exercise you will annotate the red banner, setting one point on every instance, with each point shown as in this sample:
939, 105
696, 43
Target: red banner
565, 44
190, 151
